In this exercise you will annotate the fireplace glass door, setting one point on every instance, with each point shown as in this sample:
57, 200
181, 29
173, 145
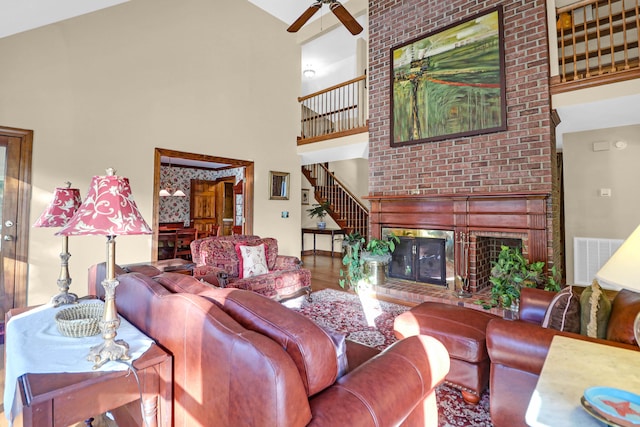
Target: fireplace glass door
421, 259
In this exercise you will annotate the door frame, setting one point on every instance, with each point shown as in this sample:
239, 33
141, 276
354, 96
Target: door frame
248, 187
23, 189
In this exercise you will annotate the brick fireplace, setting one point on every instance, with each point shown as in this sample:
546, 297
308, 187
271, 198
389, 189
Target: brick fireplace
487, 189
482, 223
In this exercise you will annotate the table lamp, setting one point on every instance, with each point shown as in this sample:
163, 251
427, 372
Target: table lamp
63, 206
623, 270
109, 210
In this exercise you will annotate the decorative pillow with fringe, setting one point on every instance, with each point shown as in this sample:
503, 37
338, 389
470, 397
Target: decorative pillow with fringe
595, 309
563, 313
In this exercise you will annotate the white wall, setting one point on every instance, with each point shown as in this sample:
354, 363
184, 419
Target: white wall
102, 90
586, 172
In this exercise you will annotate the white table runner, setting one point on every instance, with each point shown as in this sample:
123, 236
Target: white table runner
34, 345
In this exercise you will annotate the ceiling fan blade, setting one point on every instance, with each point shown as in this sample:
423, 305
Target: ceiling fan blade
305, 17
346, 18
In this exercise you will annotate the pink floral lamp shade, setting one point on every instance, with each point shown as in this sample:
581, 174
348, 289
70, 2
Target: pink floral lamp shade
64, 204
108, 210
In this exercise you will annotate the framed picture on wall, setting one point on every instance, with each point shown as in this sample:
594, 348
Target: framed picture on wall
450, 83
278, 185
305, 196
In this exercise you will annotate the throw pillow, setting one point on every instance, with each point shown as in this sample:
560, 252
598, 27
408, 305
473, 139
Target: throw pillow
270, 249
253, 261
595, 310
563, 313
625, 307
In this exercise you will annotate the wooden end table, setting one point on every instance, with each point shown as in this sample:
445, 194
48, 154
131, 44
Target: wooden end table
315, 230
61, 399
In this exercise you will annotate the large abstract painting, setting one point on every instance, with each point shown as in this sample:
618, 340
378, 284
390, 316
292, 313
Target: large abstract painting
449, 83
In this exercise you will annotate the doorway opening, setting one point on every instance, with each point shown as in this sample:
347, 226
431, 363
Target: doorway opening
243, 214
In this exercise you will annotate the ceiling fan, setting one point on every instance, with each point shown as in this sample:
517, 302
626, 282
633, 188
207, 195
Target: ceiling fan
338, 10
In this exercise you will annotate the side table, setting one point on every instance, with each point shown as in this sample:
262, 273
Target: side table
315, 230
571, 367
61, 399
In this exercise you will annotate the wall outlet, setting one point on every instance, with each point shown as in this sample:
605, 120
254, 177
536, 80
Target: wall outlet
605, 192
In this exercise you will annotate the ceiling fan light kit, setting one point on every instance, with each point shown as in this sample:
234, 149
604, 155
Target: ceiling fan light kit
338, 10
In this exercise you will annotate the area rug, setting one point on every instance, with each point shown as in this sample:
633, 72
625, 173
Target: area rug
342, 312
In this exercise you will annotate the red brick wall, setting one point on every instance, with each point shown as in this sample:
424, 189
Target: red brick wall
518, 160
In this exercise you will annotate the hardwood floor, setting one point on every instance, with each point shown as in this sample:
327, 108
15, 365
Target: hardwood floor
325, 271
325, 274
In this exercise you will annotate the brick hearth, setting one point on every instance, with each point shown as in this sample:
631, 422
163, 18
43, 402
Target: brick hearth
411, 293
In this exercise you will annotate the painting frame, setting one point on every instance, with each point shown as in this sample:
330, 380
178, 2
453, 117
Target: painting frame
278, 185
305, 196
450, 83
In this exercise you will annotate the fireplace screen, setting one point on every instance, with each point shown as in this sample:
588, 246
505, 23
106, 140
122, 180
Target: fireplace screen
421, 259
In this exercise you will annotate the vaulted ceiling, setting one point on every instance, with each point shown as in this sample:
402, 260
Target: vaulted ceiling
22, 15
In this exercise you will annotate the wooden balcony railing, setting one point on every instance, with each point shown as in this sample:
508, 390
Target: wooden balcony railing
597, 43
340, 110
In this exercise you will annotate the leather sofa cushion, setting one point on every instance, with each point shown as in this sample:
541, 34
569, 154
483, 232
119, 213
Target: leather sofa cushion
223, 374
625, 307
462, 330
311, 348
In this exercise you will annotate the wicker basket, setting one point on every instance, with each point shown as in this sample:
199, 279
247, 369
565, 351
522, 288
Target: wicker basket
82, 320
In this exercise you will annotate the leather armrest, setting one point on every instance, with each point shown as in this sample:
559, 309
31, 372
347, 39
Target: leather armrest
533, 304
410, 369
518, 345
524, 346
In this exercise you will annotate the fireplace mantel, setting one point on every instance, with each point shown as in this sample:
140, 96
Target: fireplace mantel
472, 214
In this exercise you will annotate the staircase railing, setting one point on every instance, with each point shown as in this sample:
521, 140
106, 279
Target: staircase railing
339, 110
348, 212
597, 43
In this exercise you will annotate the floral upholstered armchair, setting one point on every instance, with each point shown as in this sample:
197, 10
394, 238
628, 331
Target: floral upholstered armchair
252, 263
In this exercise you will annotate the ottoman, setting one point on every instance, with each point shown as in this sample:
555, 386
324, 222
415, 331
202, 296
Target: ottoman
462, 331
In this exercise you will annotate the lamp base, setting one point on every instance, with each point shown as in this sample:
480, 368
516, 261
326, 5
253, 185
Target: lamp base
107, 351
64, 298
110, 349
64, 280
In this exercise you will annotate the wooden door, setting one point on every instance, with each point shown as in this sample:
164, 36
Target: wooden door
15, 195
203, 207
203, 199
224, 205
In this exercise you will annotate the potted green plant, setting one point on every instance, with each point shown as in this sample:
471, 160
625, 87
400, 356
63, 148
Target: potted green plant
349, 240
352, 276
320, 210
377, 256
510, 272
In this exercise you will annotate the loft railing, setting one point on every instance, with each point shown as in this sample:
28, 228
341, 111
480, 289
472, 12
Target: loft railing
597, 43
340, 110
348, 212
